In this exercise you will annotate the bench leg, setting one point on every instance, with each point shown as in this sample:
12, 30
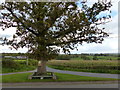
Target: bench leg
41, 78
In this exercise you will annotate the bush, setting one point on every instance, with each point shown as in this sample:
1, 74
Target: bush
22, 62
17, 66
95, 57
63, 57
84, 57
118, 58
10, 64
32, 62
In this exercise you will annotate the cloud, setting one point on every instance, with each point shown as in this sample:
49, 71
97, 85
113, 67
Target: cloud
6, 49
1, 1
112, 27
115, 5
8, 31
108, 46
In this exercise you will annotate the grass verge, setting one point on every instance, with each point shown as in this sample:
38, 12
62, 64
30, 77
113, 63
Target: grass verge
23, 77
21, 69
85, 70
99, 66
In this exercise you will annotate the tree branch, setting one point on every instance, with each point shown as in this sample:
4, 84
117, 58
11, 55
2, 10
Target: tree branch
21, 21
67, 42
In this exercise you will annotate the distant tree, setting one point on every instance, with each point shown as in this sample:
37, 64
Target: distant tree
118, 58
41, 26
95, 57
85, 57
63, 57
101, 54
118, 55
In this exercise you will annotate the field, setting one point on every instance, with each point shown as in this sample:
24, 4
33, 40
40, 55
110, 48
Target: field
97, 66
98, 58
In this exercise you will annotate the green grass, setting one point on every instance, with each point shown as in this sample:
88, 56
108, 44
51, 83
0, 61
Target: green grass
21, 69
23, 77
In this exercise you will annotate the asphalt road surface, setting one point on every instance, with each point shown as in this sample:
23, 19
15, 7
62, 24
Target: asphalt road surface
85, 73
75, 73
99, 84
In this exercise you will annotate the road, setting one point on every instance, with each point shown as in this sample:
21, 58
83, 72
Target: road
74, 73
62, 85
85, 73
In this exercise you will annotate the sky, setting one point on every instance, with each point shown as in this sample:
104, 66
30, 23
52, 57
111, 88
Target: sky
109, 45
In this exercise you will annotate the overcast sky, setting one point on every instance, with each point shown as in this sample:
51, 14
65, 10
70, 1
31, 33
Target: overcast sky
109, 45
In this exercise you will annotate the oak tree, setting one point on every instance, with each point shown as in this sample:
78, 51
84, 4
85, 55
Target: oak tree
44, 26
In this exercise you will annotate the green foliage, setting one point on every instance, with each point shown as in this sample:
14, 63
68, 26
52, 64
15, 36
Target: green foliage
84, 57
92, 57
95, 57
30, 62
118, 58
33, 62
17, 66
7, 59
63, 57
22, 68
9, 64
43, 25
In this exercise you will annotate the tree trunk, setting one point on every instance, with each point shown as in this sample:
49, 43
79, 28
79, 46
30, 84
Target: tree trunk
42, 68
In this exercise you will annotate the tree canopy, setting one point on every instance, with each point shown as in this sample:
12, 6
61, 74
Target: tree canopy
44, 26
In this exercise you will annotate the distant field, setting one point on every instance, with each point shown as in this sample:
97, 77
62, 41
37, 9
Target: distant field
98, 66
98, 58
88, 57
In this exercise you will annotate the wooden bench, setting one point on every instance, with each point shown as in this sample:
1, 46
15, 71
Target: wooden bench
48, 76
